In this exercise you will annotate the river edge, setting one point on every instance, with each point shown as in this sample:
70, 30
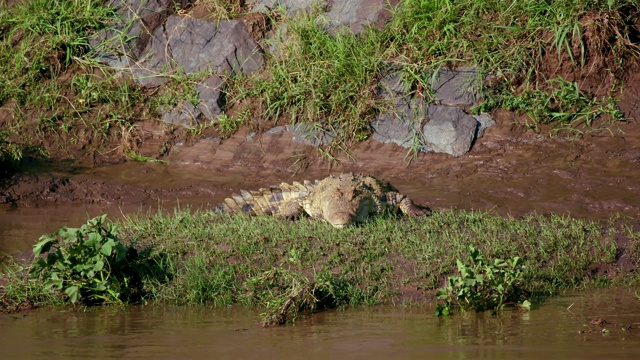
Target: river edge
287, 269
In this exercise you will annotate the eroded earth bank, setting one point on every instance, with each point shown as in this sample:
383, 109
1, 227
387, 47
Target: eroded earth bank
508, 171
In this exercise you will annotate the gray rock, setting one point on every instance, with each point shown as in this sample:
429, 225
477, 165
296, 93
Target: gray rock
187, 45
412, 123
356, 14
185, 115
192, 45
292, 7
393, 129
460, 87
210, 106
485, 121
400, 125
153, 52
405, 106
277, 130
122, 44
311, 135
449, 130
391, 84
152, 64
210, 93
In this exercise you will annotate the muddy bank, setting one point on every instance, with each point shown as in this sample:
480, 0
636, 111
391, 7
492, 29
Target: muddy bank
509, 170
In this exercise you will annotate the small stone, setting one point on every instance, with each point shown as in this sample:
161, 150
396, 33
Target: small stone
449, 130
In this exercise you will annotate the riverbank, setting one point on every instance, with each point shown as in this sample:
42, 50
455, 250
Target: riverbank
564, 96
287, 269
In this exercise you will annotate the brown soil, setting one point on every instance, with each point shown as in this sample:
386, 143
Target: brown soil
509, 170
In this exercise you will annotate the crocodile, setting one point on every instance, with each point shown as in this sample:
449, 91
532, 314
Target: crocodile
341, 200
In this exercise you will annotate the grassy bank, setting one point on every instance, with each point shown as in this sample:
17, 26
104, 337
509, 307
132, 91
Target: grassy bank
54, 94
286, 268
560, 62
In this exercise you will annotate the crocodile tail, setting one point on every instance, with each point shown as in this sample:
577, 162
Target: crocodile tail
250, 202
243, 202
275, 200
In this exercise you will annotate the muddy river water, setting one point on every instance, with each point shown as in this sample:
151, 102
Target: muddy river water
594, 325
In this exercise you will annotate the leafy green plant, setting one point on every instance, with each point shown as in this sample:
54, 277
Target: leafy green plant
563, 106
89, 262
483, 285
227, 125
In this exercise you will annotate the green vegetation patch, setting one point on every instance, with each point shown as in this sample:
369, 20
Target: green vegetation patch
327, 80
513, 38
560, 62
484, 285
223, 9
89, 263
290, 268
53, 91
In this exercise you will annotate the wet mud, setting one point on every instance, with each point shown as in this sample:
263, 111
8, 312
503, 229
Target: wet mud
509, 171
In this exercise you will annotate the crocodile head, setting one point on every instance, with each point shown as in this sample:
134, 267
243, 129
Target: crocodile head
342, 206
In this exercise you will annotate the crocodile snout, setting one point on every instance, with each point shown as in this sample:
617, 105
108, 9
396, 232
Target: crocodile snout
340, 219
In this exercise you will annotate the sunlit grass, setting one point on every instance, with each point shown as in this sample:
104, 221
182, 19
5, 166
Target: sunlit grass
52, 84
287, 268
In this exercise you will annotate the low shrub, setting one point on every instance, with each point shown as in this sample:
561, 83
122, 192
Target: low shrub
483, 285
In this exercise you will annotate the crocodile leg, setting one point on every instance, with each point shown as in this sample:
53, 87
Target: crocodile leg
406, 205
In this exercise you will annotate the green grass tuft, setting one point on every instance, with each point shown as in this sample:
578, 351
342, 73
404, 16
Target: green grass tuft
57, 94
287, 269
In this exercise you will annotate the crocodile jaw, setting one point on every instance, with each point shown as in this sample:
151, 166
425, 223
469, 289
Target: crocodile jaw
339, 219
341, 213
